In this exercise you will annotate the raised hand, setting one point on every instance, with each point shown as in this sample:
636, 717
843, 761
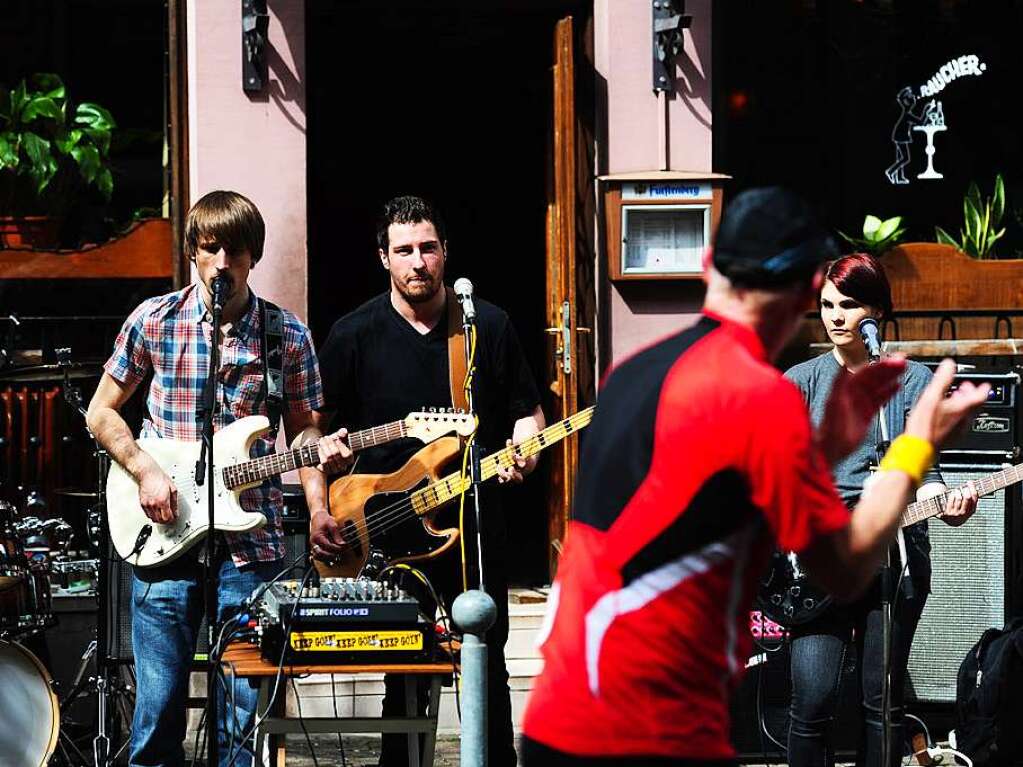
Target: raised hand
935, 416
854, 403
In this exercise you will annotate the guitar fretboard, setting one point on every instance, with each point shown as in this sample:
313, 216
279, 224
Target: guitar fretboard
986, 485
453, 485
268, 466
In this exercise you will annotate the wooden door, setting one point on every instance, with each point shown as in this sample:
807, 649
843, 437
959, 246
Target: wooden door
569, 369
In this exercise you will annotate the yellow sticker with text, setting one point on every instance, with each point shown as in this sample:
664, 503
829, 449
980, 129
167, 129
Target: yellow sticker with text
332, 641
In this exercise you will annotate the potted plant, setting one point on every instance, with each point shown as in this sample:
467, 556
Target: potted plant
981, 220
50, 152
878, 236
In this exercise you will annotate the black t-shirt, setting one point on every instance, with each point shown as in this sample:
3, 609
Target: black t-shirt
377, 368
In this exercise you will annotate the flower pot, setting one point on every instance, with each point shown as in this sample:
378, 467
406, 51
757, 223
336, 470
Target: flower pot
29, 233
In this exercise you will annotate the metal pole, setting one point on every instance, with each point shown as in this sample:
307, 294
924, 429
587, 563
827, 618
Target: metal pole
474, 612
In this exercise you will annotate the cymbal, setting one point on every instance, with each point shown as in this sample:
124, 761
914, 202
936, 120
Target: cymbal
76, 492
51, 372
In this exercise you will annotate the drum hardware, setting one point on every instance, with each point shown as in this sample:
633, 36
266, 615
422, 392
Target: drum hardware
108, 684
76, 492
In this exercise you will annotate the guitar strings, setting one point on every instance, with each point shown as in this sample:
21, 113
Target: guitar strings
387, 517
391, 516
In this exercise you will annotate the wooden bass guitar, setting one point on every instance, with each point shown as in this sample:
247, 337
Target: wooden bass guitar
396, 513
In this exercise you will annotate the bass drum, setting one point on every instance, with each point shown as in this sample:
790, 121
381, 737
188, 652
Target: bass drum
30, 722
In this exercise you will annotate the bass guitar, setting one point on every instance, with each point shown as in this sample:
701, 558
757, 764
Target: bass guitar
379, 511
144, 543
788, 597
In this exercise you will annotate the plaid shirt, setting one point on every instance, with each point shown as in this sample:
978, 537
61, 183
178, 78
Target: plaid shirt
170, 336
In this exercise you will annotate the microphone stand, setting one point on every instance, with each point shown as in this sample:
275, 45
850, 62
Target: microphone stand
475, 473
887, 598
204, 472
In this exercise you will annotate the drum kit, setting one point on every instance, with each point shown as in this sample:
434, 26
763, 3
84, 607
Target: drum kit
37, 566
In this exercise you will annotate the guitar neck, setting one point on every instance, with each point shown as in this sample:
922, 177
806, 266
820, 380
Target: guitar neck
268, 466
986, 485
444, 490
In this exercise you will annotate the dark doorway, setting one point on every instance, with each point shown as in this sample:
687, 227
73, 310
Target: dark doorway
450, 101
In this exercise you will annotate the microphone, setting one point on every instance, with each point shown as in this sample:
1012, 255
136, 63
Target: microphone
871, 336
463, 291
221, 284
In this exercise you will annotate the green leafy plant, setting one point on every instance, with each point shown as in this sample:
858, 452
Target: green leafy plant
981, 219
878, 236
50, 148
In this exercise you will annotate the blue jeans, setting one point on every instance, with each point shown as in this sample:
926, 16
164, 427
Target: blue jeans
818, 652
167, 606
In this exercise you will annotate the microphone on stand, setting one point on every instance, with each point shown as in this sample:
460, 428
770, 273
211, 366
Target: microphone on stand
463, 291
221, 284
871, 335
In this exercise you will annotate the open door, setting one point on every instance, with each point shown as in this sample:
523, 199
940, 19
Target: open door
569, 280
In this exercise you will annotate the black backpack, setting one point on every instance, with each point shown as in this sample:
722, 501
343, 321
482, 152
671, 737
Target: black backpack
989, 698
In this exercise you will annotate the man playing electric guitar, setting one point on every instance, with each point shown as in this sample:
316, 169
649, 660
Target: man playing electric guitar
855, 288
393, 352
170, 336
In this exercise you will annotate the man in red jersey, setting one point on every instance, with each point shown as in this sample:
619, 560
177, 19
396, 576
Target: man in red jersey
701, 458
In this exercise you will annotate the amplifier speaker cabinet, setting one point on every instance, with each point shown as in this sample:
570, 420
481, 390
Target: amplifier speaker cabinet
974, 585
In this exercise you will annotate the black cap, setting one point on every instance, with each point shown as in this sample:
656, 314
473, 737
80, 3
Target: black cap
771, 237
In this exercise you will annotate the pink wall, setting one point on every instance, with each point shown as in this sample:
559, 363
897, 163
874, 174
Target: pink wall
638, 313
253, 145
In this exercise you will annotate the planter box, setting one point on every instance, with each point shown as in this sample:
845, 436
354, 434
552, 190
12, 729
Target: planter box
926, 276
143, 252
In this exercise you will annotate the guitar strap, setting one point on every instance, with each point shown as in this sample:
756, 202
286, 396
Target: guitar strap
272, 349
456, 352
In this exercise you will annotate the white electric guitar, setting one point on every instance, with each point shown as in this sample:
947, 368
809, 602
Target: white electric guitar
144, 543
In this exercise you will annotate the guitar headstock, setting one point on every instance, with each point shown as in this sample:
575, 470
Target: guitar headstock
428, 425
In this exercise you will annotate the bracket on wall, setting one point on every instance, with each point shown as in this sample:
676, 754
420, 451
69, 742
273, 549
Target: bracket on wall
669, 22
255, 23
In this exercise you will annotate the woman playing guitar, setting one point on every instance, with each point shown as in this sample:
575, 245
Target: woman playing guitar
855, 289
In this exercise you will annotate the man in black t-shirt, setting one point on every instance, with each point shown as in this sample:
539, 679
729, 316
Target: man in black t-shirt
389, 357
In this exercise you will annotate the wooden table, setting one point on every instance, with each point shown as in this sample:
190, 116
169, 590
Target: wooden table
244, 660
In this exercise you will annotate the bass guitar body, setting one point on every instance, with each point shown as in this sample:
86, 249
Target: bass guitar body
377, 510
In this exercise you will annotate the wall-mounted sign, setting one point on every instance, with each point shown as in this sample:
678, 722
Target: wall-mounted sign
665, 190
918, 116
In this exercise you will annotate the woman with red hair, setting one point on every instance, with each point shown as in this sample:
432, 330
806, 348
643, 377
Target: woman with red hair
855, 289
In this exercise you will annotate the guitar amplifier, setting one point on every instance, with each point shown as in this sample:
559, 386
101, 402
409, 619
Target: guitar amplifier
994, 428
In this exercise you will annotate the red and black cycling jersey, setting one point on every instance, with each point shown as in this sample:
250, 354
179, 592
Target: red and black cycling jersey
699, 458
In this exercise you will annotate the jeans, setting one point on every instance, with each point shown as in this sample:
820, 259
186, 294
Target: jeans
167, 606
818, 652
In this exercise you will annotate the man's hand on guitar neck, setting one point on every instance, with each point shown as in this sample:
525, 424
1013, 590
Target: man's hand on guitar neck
523, 429
335, 454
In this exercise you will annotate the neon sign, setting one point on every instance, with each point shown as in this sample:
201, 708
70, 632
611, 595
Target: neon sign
918, 115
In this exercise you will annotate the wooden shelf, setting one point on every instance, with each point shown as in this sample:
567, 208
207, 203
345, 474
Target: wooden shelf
143, 252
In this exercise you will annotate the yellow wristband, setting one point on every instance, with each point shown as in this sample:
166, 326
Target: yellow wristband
911, 455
